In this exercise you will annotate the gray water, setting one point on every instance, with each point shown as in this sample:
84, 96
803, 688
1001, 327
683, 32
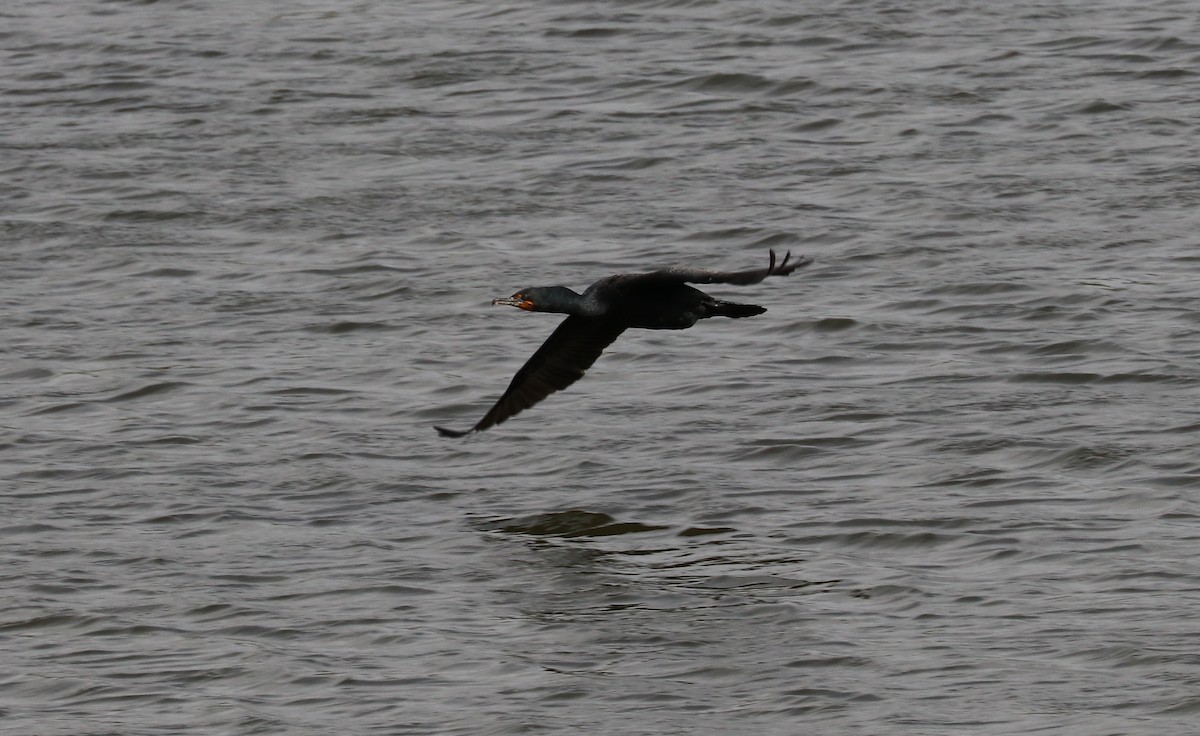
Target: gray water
947, 484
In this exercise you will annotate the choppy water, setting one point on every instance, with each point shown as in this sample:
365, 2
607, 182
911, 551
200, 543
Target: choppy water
946, 485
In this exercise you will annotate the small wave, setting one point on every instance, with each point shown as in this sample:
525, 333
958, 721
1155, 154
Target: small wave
725, 82
574, 523
152, 389
342, 328
1075, 378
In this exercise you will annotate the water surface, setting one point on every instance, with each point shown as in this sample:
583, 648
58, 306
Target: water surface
945, 485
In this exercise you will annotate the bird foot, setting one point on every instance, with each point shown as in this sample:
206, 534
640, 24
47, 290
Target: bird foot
786, 266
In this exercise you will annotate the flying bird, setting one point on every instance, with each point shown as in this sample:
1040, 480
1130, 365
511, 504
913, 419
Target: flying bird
659, 300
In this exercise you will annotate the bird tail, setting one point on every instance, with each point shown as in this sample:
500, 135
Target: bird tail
730, 309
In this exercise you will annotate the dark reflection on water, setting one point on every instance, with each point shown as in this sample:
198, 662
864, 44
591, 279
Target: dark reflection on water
576, 523
248, 255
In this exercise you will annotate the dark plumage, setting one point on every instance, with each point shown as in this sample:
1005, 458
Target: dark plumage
659, 300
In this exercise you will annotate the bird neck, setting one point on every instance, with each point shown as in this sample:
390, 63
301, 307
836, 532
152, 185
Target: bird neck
562, 300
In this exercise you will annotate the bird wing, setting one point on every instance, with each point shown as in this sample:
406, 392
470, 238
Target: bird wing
680, 274
560, 361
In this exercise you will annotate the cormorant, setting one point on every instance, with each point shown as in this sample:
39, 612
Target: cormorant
659, 300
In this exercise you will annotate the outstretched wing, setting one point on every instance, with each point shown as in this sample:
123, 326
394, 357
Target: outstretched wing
680, 274
560, 361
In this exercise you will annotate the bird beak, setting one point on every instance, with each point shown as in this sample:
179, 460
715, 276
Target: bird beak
512, 301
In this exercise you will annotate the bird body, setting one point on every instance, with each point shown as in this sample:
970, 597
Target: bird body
653, 304
659, 300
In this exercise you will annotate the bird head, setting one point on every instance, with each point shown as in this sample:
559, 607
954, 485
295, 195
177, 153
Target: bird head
541, 299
